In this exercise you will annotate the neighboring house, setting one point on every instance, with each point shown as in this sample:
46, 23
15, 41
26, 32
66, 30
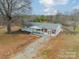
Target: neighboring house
51, 29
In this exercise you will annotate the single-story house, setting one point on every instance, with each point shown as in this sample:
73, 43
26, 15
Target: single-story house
51, 29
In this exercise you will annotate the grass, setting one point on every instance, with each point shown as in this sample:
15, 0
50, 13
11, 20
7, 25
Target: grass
45, 53
77, 29
64, 46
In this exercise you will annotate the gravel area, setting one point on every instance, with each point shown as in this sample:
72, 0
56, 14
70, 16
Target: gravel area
31, 50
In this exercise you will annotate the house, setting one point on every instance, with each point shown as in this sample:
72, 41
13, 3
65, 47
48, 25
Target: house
43, 28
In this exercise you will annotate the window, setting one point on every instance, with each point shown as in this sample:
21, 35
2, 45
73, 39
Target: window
53, 31
38, 29
45, 30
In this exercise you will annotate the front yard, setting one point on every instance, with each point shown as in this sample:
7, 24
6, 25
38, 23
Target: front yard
64, 46
13, 43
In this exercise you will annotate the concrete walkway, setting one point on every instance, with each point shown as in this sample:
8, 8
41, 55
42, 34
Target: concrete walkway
31, 50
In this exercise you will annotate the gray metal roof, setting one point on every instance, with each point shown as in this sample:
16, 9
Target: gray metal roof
46, 25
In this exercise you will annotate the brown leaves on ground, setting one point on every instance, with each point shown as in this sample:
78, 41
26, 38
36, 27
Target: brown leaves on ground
12, 43
64, 46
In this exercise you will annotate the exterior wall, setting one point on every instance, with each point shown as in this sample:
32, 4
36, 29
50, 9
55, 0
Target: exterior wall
49, 26
58, 30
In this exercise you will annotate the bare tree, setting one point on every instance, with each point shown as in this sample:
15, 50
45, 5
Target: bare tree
75, 18
10, 8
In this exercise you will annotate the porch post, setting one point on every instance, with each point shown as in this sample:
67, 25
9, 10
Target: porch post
49, 33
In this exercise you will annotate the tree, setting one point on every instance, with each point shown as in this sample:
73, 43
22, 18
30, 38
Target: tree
75, 18
58, 17
41, 18
10, 8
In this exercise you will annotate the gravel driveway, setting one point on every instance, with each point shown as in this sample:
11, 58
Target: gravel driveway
31, 50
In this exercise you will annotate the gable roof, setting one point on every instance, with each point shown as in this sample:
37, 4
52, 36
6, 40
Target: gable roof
46, 25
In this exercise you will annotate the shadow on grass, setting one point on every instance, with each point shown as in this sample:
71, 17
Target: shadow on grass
18, 32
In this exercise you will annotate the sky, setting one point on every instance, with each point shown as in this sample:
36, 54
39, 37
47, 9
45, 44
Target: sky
52, 7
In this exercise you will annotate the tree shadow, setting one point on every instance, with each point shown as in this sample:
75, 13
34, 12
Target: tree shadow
18, 32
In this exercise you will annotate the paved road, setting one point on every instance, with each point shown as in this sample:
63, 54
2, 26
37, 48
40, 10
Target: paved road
30, 51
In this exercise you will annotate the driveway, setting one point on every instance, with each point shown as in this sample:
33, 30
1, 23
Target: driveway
31, 50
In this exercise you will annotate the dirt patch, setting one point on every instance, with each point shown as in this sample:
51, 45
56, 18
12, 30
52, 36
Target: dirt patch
13, 43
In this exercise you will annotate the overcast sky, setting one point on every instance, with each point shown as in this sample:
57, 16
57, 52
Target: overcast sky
51, 7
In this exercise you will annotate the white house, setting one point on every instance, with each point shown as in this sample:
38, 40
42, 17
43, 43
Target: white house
51, 29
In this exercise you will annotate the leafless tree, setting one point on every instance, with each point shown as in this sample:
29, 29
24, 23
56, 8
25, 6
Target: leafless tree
10, 8
75, 18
